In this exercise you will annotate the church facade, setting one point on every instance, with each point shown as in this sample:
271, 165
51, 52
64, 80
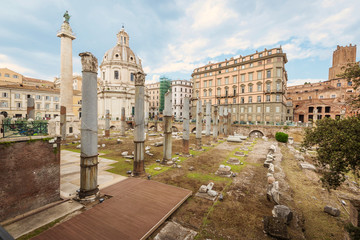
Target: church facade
116, 88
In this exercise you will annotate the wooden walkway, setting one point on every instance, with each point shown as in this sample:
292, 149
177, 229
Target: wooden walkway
136, 209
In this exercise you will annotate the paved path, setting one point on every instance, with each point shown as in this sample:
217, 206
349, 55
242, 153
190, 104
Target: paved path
70, 173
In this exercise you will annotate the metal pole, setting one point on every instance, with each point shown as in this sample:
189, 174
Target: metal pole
89, 128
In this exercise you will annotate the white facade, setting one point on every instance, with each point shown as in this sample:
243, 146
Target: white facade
180, 89
117, 80
13, 101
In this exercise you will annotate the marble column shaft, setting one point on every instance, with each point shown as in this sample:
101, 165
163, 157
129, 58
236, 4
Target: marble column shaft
215, 124
226, 132
208, 118
167, 127
89, 127
30, 110
107, 123
198, 124
186, 126
221, 120
139, 136
122, 122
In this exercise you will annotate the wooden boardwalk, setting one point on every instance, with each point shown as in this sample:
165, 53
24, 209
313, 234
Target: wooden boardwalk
136, 209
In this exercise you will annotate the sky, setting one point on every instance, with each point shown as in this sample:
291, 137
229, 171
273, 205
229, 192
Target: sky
174, 37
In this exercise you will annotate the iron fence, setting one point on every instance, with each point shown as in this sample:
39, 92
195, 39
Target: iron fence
25, 128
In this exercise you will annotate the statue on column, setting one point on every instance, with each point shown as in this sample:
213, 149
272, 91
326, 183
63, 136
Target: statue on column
66, 17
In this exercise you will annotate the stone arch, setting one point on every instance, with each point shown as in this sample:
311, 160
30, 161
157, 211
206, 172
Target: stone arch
255, 133
193, 130
174, 129
112, 127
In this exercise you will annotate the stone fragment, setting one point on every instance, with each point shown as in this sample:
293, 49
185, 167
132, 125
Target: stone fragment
233, 161
299, 157
265, 138
271, 180
271, 168
78, 146
234, 139
158, 144
203, 189
332, 211
283, 212
212, 193
147, 148
224, 171
290, 140
169, 162
118, 141
157, 168
240, 154
276, 227
210, 186
191, 168
103, 145
124, 153
306, 165
129, 156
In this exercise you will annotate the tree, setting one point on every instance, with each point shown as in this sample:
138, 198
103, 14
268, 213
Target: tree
352, 74
338, 148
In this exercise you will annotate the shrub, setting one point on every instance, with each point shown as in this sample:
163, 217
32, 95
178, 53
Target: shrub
281, 137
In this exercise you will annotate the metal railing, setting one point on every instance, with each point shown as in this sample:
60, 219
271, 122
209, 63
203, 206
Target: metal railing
21, 129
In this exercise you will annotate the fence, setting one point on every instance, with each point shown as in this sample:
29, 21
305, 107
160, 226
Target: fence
25, 128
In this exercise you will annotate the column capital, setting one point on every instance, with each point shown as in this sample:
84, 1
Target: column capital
89, 62
139, 78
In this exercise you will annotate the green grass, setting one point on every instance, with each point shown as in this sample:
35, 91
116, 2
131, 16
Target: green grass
150, 169
195, 153
72, 150
207, 177
120, 167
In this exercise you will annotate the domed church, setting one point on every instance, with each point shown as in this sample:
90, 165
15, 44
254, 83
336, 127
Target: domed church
117, 79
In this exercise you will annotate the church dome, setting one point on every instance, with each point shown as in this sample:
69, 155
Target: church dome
121, 52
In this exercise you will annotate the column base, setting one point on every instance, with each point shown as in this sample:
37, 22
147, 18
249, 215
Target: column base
186, 147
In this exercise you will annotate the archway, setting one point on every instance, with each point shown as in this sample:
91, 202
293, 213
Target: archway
256, 133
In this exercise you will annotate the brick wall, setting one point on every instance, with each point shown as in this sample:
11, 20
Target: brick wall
29, 174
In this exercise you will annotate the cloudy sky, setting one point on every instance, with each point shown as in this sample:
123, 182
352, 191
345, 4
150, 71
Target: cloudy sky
175, 36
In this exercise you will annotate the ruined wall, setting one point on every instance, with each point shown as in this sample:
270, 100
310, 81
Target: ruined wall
29, 174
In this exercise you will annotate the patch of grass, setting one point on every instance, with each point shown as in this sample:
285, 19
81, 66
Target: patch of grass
73, 150
120, 167
206, 148
40, 229
150, 169
207, 177
105, 151
195, 153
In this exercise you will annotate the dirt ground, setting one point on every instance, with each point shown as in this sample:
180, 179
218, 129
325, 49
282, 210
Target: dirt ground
240, 214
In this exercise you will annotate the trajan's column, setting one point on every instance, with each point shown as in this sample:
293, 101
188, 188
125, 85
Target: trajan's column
66, 76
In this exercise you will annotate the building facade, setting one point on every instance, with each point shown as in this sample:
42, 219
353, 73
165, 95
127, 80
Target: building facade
15, 89
329, 98
117, 79
180, 89
252, 87
154, 98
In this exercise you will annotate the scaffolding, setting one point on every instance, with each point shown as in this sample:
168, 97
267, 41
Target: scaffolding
165, 86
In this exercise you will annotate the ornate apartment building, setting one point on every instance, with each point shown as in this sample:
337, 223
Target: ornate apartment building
252, 87
180, 89
154, 98
328, 98
16, 88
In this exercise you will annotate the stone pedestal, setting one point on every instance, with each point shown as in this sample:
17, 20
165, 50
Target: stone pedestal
167, 128
198, 124
186, 126
139, 136
89, 128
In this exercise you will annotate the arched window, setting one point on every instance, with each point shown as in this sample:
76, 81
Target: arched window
278, 86
259, 87
116, 74
242, 88
268, 86
250, 87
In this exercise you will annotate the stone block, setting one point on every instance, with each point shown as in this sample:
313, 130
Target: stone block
283, 212
276, 227
306, 165
332, 211
354, 212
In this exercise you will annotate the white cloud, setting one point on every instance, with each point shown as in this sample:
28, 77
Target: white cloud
295, 82
155, 78
7, 62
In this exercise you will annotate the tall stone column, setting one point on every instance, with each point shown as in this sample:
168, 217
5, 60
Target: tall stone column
186, 125
107, 123
156, 123
208, 118
167, 128
221, 120
89, 128
122, 122
215, 124
229, 123
30, 110
66, 75
139, 136
198, 124
226, 132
